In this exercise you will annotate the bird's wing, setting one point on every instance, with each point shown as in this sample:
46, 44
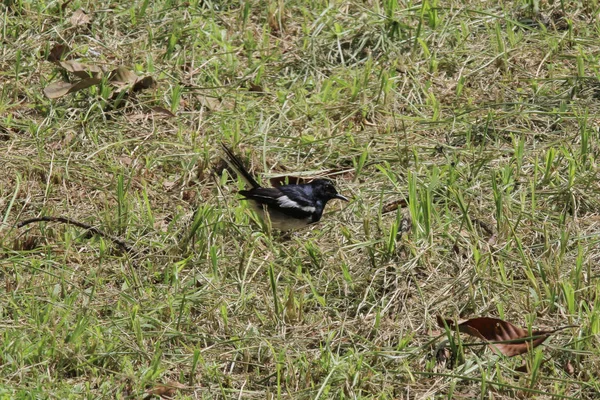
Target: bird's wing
300, 196
238, 167
278, 199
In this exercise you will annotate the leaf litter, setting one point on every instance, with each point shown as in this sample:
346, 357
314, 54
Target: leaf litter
506, 339
80, 18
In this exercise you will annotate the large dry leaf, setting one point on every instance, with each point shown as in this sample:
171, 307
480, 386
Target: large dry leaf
122, 79
58, 52
518, 340
166, 391
59, 89
209, 102
123, 76
79, 18
81, 70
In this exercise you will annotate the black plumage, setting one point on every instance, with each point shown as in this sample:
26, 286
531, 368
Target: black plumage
290, 206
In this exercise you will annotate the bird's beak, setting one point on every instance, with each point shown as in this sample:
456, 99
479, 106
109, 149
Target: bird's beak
339, 196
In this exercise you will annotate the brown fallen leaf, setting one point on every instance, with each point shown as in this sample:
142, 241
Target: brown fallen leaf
209, 102
81, 70
164, 111
147, 82
79, 18
59, 89
167, 390
168, 185
255, 88
58, 52
125, 160
569, 369
517, 340
122, 75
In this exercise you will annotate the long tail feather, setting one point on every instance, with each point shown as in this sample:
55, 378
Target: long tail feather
239, 167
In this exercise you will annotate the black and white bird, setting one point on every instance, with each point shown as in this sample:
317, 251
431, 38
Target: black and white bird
289, 207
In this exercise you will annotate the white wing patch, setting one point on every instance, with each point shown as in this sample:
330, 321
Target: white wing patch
286, 202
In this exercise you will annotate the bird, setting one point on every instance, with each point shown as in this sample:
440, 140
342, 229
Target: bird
287, 207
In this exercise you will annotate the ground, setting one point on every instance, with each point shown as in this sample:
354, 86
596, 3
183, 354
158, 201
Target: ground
464, 132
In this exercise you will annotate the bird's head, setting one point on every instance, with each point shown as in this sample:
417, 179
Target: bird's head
325, 189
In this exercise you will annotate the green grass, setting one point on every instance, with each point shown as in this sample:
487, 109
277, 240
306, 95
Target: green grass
479, 119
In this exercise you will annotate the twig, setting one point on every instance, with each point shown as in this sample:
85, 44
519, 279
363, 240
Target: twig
121, 243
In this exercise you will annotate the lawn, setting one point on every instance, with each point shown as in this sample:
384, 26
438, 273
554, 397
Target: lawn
465, 133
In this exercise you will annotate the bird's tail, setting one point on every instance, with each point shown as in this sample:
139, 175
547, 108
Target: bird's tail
239, 167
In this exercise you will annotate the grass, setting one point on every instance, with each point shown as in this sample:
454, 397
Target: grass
479, 120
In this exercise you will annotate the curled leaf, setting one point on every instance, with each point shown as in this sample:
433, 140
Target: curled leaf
509, 340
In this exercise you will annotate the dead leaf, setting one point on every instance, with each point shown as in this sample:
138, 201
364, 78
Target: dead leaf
59, 89
122, 75
125, 160
168, 185
209, 102
167, 390
569, 369
79, 18
147, 82
58, 52
164, 111
496, 330
255, 88
81, 70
